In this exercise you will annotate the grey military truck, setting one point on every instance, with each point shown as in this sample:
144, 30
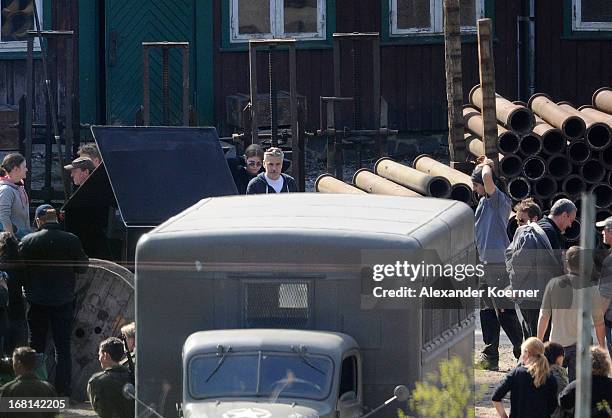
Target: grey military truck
254, 373
262, 306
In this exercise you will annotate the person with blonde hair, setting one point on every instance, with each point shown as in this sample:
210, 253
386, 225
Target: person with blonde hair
601, 386
533, 390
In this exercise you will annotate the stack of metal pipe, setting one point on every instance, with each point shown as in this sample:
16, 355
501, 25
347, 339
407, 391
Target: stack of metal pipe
550, 150
547, 151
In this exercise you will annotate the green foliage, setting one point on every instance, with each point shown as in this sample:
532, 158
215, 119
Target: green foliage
604, 406
447, 394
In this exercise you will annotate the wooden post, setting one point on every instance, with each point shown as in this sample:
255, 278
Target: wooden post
253, 91
487, 83
454, 88
583, 350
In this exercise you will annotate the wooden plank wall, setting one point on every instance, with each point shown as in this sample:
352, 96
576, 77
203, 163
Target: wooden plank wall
412, 76
13, 71
568, 69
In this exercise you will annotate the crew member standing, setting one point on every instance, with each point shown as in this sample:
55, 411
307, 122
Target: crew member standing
492, 240
52, 257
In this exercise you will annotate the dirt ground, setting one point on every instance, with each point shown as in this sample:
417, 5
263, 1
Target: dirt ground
79, 410
486, 381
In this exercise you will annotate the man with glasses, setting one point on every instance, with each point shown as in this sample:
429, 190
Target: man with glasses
253, 162
491, 241
527, 211
605, 281
272, 180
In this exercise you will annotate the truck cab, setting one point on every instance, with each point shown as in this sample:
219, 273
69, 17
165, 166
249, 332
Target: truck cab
269, 373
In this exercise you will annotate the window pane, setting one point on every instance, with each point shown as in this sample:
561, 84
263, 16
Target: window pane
17, 19
413, 14
300, 16
468, 12
253, 16
596, 10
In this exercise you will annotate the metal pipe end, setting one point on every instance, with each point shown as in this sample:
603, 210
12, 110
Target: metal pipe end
545, 187
603, 195
530, 144
534, 168
598, 135
535, 96
573, 185
360, 171
521, 120
596, 93
508, 143
558, 166
553, 141
414, 162
578, 151
321, 177
518, 188
439, 187
511, 165
462, 192
471, 93
574, 127
380, 160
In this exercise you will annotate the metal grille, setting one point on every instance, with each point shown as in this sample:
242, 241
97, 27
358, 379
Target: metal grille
276, 305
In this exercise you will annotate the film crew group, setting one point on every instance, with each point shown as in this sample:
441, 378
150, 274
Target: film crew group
543, 382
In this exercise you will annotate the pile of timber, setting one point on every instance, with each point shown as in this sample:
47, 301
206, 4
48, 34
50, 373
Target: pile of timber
547, 151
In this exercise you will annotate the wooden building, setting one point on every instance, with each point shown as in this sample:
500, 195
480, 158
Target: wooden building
572, 52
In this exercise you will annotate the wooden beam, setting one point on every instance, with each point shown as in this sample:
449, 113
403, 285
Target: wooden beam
454, 88
487, 83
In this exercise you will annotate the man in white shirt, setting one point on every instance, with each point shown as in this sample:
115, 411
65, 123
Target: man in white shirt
272, 180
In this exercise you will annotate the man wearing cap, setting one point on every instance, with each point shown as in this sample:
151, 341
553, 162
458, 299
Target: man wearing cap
272, 180
52, 257
80, 169
492, 216
605, 281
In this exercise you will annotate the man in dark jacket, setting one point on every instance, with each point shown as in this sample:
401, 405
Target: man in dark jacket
272, 180
26, 384
534, 257
105, 388
52, 257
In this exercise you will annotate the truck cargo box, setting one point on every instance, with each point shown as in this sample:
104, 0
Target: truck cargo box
297, 261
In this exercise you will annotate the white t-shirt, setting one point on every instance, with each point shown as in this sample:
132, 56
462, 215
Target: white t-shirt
277, 185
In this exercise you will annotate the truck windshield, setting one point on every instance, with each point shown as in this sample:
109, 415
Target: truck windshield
261, 374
